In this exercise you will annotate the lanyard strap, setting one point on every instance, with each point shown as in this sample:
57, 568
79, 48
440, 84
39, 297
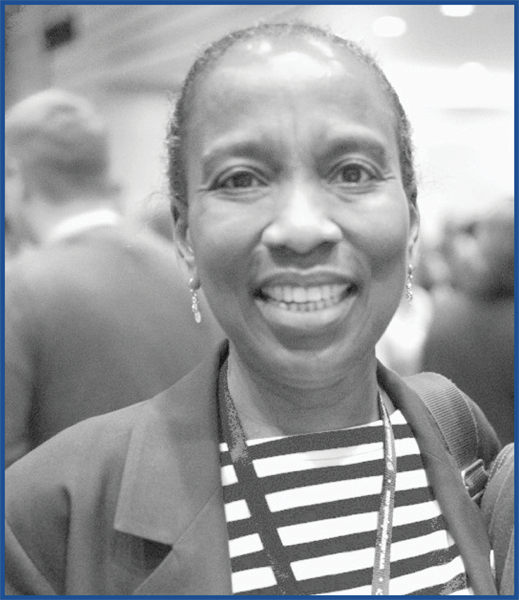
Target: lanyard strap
382, 564
234, 435
256, 500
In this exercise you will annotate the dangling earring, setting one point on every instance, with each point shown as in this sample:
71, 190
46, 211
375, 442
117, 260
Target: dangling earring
194, 302
409, 285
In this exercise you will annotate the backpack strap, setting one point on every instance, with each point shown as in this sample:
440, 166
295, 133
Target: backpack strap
453, 414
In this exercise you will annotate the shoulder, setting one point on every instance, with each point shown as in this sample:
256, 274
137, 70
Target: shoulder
75, 476
497, 506
26, 266
82, 456
497, 501
434, 406
65, 489
83, 465
30, 281
63, 498
91, 447
108, 264
77, 472
142, 242
40, 274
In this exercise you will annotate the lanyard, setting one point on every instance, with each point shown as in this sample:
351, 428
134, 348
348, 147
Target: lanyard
382, 564
254, 495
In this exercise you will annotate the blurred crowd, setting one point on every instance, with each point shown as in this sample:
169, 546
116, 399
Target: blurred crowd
97, 313
461, 320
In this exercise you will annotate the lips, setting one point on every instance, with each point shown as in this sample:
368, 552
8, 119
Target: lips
298, 298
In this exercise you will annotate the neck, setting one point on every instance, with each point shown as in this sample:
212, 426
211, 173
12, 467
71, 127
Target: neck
268, 409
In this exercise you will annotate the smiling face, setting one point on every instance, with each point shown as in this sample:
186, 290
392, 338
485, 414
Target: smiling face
298, 225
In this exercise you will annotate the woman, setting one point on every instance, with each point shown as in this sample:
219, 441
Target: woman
292, 463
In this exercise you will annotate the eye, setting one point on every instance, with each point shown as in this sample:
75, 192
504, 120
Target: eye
353, 174
240, 180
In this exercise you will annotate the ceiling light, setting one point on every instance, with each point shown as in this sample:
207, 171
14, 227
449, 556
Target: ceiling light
457, 10
389, 26
473, 68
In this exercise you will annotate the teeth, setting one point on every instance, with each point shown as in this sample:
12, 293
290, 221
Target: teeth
288, 293
299, 298
314, 294
307, 306
300, 295
326, 292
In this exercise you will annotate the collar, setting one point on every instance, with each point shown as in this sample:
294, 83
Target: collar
72, 226
172, 469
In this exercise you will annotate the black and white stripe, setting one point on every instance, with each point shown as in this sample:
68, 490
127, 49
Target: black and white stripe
324, 501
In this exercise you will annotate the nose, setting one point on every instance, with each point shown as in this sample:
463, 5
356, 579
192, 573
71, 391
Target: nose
301, 221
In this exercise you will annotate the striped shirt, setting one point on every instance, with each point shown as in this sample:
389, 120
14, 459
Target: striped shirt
324, 502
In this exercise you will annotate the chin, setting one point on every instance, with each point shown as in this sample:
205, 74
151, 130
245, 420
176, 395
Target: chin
307, 367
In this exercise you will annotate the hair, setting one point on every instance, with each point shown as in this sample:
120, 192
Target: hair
178, 126
60, 142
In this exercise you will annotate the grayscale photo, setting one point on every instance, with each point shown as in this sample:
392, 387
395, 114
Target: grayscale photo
259, 299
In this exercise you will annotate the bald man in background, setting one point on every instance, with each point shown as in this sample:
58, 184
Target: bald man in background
97, 316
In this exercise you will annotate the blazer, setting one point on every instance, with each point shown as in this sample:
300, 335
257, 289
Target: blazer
497, 505
93, 323
131, 502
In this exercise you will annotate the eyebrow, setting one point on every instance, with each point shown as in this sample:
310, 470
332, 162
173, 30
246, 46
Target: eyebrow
236, 145
256, 148
260, 148
337, 145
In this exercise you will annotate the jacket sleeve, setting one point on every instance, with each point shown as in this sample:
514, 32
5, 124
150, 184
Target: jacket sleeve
37, 517
60, 504
22, 576
498, 510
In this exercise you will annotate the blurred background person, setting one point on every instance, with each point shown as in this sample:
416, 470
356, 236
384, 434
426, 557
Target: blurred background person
12, 244
97, 317
471, 336
401, 346
155, 216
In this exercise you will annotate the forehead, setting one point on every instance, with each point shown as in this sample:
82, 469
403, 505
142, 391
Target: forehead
270, 68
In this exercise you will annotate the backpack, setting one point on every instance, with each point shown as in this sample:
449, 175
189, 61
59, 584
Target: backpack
455, 418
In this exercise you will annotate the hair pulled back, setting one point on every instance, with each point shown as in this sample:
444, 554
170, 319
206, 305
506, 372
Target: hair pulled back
178, 126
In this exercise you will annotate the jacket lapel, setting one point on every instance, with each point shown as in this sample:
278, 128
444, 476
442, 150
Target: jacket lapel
463, 518
196, 565
171, 491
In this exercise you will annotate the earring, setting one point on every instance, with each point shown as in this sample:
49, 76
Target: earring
194, 302
409, 285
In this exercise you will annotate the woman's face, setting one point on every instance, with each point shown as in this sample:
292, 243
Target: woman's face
298, 224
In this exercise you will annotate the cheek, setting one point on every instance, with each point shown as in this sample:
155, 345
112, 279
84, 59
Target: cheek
220, 241
385, 240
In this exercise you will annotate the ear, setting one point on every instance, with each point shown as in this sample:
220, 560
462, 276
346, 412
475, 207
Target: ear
414, 231
183, 243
